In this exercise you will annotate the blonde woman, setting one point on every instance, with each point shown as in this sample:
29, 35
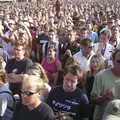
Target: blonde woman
96, 64
38, 70
32, 108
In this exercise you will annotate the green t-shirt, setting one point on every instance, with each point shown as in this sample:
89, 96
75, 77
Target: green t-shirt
105, 80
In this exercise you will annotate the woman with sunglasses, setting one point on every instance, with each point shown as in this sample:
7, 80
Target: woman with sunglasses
32, 108
38, 70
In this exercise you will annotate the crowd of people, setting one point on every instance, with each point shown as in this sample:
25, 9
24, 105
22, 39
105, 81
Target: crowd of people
60, 60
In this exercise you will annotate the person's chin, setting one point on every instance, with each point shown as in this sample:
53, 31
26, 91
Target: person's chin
69, 90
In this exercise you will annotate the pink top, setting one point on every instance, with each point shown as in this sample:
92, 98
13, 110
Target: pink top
50, 68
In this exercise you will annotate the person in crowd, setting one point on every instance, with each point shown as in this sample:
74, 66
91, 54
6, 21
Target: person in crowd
84, 32
106, 86
32, 108
73, 43
6, 98
67, 60
38, 70
110, 24
6, 39
42, 39
52, 65
104, 47
65, 57
17, 66
115, 38
83, 57
97, 63
68, 98
51, 41
91, 34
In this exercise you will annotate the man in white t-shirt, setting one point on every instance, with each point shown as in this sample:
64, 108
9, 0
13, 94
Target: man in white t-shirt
84, 55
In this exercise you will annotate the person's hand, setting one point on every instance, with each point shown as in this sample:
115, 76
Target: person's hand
108, 94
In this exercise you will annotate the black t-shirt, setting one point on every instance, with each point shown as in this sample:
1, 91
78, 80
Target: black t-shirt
17, 67
42, 36
74, 103
42, 112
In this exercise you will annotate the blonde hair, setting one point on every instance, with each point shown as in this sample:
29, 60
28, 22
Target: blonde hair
40, 70
32, 81
101, 63
3, 76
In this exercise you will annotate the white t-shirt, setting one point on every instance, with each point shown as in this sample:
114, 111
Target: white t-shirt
83, 61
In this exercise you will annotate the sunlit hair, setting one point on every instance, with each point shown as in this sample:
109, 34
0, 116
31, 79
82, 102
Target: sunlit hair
70, 61
40, 70
100, 60
3, 76
32, 81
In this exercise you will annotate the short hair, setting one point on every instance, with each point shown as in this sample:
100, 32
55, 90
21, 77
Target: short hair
73, 69
86, 42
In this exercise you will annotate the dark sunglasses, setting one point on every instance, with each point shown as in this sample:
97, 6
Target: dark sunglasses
27, 93
118, 61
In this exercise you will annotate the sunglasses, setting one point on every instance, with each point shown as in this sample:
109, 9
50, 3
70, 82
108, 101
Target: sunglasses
118, 61
27, 93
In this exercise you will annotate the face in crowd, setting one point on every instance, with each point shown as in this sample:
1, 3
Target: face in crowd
97, 63
52, 36
31, 87
84, 33
19, 52
51, 53
71, 78
86, 45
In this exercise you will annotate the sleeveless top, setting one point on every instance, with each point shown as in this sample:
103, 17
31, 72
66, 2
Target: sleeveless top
50, 68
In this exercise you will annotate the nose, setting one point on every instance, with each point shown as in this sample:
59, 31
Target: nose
69, 84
